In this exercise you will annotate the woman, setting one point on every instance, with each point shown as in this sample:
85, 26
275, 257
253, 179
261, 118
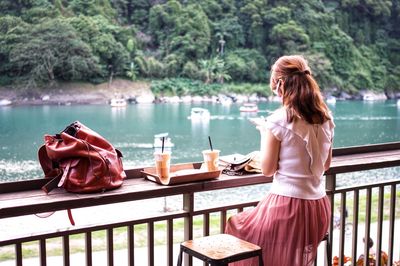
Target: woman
296, 148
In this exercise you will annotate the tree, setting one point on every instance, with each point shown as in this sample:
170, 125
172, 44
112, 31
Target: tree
11, 32
92, 7
100, 34
322, 70
246, 65
53, 52
191, 37
288, 38
252, 15
133, 71
230, 30
214, 70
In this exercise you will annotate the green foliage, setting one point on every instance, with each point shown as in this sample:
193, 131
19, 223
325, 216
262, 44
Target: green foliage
102, 38
289, 38
56, 52
91, 7
191, 36
252, 15
350, 44
149, 66
247, 88
133, 71
230, 30
181, 87
246, 65
191, 70
180, 30
278, 15
214, 70
322, 70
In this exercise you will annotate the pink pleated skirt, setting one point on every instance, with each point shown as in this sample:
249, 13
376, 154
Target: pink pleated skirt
289, 230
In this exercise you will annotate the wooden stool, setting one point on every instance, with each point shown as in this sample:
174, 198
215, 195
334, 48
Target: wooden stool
220, 250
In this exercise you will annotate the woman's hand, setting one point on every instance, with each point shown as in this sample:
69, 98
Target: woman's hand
259, 122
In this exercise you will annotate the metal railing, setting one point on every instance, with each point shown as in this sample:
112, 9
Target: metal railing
172, 227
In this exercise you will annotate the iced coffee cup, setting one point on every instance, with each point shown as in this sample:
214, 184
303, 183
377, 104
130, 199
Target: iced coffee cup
211, 158
163, 164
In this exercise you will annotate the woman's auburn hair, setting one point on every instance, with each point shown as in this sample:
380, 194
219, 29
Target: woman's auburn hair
301, 94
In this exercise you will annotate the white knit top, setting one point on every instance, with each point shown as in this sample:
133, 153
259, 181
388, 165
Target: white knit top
303, 152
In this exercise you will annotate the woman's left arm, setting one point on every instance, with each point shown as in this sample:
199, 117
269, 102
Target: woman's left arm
270, 147
328, 160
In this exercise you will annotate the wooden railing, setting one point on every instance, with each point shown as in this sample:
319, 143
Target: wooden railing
18, 199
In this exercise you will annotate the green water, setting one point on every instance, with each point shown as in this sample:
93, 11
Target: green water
131, 130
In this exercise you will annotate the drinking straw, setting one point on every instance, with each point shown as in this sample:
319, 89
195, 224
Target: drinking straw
162, 145
209, 140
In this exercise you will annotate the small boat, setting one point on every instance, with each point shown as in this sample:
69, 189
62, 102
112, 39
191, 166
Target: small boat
368, 97
398, 103
158, 141
249, 107
198, 113
118, 102
5, 102
331, 100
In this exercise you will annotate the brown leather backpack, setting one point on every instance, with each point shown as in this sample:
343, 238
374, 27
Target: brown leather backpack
81, 161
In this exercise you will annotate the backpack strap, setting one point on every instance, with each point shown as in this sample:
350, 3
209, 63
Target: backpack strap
65, 174
45, 215
52, 184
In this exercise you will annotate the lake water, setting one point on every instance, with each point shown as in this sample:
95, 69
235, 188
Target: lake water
131, 130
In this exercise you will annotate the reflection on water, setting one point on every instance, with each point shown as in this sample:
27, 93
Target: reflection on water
118, 113
200, 127
132, 130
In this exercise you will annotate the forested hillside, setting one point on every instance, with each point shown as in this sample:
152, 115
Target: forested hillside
350, 44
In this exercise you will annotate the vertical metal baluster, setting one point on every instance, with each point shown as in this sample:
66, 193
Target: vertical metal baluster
367, 226
18, 254
206, 224
392, 217
88, 248
222, 221
188, 206
206, 228
150, 243
342, 227
131, 245
170, 241
380, 222
110, 247
66, 254
42, 244
356, 199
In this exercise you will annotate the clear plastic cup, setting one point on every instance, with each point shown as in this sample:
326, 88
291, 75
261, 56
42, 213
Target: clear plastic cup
163, 164
211, 159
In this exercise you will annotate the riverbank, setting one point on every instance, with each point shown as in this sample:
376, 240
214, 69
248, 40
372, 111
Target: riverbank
76, 93
140, 92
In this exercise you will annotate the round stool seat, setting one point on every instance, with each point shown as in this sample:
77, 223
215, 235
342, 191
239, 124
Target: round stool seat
220, 249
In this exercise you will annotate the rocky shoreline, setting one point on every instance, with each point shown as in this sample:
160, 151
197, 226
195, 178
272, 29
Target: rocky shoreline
84, 93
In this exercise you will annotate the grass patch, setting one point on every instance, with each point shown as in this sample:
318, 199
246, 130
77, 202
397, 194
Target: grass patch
99, 239
362, 206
